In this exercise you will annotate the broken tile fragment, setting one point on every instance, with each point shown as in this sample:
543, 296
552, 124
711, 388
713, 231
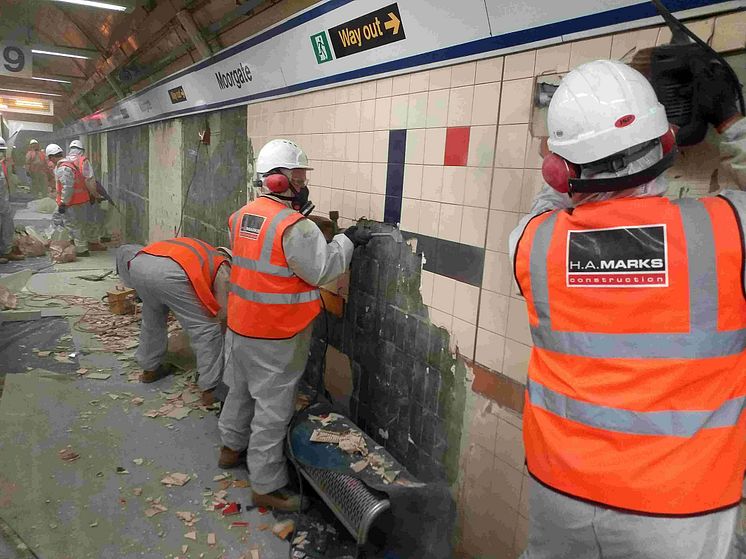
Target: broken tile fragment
358, 467
191, 536
138, 461
211, 539
155, 508
68, 454
175, 478
184, 548
220, 477
283, 529
231, 509
98, 376
239, 524
137, 401
137, 491
241, 483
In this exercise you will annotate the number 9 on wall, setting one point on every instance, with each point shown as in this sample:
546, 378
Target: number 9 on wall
15, 60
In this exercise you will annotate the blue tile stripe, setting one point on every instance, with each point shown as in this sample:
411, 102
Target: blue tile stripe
395, 176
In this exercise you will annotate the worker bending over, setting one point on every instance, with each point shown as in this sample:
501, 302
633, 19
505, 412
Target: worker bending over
633, 425
190, 278
279, 260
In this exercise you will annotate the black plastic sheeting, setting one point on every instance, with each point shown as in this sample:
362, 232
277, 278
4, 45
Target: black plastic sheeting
18, 339
423, 514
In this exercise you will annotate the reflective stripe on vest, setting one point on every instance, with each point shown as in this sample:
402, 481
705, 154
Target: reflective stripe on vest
80, 191
200, 263
634, 398
266, 299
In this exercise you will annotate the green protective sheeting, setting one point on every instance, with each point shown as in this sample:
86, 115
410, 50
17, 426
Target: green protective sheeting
17, 281
68, 283
98, 261
86, 508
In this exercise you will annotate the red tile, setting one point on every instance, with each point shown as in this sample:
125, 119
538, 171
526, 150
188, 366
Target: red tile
457, 146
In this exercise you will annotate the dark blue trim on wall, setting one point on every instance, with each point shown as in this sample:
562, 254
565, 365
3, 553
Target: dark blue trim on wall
464, 263
395, 176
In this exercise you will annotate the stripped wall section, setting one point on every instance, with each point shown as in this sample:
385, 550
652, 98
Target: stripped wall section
165, 171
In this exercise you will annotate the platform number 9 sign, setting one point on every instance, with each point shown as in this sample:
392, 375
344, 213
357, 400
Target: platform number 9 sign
15, 60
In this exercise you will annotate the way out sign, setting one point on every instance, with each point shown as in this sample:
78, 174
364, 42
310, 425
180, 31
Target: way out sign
367, 32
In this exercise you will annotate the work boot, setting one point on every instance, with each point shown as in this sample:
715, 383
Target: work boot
96, 247
82, 254
105, 239
158, 374
230, 458
3, 260
283, 499
208, 397
14, 256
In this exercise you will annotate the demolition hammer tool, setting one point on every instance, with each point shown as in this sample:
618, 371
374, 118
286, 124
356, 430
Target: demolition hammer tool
394, 235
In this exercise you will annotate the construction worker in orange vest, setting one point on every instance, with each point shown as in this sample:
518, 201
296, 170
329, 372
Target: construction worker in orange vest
36, 168
279, 260
76, 191
7, 227
190, 278
634, 424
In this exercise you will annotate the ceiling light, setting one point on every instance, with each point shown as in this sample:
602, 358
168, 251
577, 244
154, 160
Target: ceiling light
3, 106
31, 92
65, 54
32, 104
91, 4
51, 80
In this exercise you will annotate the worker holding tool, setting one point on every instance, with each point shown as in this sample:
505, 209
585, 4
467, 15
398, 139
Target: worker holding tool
190, 278
279, 260
76, 191
7, 227
633, 424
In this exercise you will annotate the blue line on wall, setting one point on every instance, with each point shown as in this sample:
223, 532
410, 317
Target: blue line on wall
395, 176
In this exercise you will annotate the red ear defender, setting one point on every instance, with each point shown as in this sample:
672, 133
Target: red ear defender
557, 172
277, 183
668, 140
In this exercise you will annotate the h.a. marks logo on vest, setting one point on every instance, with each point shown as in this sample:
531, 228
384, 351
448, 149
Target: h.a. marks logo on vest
251, 225
618, 257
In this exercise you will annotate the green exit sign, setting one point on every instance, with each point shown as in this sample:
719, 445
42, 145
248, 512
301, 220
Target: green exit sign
321, 47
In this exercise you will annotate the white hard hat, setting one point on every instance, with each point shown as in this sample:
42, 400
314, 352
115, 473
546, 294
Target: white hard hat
2, 144
281, 154
33, 142
602, 108
76, 144
53, 149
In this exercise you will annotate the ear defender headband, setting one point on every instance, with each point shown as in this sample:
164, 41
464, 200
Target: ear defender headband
564, 176
277, 183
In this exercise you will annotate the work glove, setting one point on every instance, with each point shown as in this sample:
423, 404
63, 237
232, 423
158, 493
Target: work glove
359, 236
718, 99
61, 208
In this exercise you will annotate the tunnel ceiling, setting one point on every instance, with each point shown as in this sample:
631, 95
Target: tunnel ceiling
129, 50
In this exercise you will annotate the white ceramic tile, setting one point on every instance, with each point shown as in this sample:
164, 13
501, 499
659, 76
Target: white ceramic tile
489, 70
412, 181
449, 227
454, 184
429, 218
440, 319
339, 145
493, 312
730, 32
499, 228
399, 108
515, 363
517, 325
383, 87
507, 185
532, 184
351, 175
377, 204
486, 103
348, 205
466, 302
432, 182
463, 74
589, 50
625, 45
444, 293
400, 85
383, 113
365, 177
515, 104
511, 145
437, 108
362, 204
410, 214
474, 226
365, 146
340, 95
426, 286
490, 349
553, 60
367, 115
533, 159
352, 146
440, 78
519, 65
435, 145
355, 92
463, 337
419, 81
338, 174
460, 106
380, 146
378, 180
477, 192
368, 90
481, 146
498, 272
415, 150
417, 110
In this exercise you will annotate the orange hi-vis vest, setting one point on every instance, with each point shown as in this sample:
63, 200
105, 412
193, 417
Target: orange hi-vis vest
266, 299
636, 386
4, 165
199, 260
80, 191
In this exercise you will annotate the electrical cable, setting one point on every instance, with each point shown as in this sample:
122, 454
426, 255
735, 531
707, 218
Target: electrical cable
671, 20
186, 196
